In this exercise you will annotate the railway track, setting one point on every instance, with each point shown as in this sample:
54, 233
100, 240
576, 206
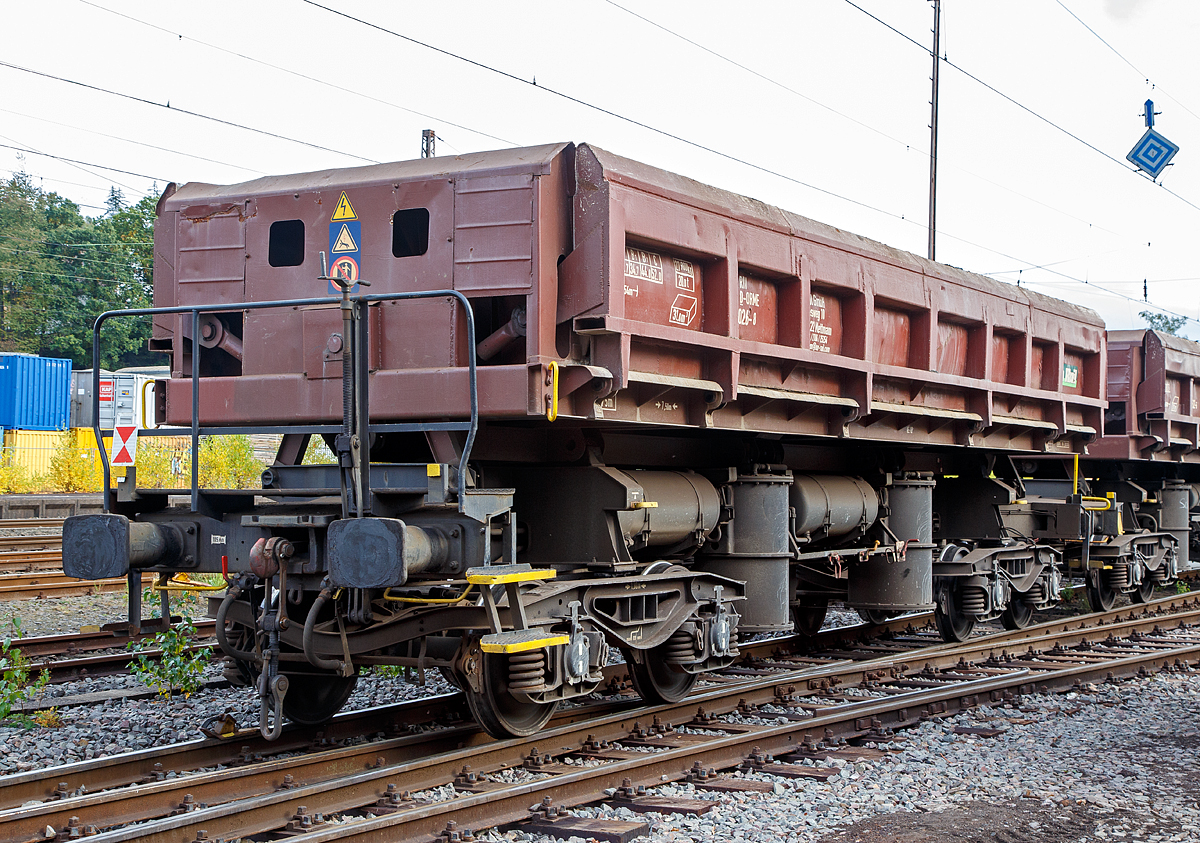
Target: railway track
29, 523
803, 703
50, 583
31, 561
102, 652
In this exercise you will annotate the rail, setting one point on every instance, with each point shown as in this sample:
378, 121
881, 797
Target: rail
195, 431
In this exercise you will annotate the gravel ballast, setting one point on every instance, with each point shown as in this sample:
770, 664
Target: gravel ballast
1110, 762
1114, 762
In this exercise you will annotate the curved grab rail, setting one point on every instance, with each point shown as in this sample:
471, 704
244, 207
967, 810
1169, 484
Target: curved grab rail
196, 310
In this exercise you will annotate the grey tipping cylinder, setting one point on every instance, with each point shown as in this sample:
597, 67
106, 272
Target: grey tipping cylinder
907, 584
754, 549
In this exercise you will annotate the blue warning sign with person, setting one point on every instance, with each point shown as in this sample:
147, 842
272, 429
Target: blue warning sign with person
345, 245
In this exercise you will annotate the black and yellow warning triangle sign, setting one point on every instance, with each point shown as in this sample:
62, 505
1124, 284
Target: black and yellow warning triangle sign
345, 241
344, 210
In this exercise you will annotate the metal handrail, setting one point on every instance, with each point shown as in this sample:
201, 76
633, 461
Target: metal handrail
196, 310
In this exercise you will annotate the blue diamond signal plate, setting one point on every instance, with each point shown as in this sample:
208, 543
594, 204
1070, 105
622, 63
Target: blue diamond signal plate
1152, 153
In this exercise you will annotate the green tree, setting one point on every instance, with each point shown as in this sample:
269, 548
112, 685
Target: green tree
1164, 323
59, 270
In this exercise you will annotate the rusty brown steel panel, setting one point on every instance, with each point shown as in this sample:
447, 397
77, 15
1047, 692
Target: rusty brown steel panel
210, 243
294, 399
824, 334
1152, 381
419, 334
493, 233
1000, 359
679, 363
675, 293
952, 348
758, 309
892, 336
662, 290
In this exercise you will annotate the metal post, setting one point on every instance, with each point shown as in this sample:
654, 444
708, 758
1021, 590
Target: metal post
362, 374
428, 143
933, 131
195, 411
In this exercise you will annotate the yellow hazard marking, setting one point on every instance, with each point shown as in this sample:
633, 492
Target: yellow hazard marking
344, 210
433, 469
520, 641
345, 241
507, 575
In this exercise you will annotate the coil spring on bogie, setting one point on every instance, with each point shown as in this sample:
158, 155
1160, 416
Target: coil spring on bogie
974, 600
527, 671
680, 648
1159, 574
1118, 577
1039, 592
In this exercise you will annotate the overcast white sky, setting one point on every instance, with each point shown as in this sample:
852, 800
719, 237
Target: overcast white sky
829, 110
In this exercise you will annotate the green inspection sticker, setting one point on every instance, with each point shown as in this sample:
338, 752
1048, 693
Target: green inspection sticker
1070, 375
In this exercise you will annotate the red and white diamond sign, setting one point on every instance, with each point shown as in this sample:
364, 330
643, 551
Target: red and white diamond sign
124, 444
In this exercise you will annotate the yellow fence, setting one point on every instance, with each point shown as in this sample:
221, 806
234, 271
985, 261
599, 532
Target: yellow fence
69, 461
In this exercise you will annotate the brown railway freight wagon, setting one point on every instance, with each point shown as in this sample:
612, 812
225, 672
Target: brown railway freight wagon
585, 403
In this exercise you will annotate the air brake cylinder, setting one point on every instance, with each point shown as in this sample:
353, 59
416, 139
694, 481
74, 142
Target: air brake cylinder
901, 584
677, 508
753, 547
832, 507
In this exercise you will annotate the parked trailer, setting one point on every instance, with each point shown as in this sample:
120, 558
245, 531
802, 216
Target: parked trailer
585, 403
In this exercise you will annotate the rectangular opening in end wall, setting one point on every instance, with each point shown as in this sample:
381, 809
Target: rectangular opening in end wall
286, 247
1114, 419
410, 232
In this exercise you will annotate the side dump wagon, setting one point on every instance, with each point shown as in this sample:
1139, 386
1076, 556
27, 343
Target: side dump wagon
585, 403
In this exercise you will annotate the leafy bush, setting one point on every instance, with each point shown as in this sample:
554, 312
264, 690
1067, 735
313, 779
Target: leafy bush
318, 453
72, 468
14, 478
227, 462
16, 682
177, 668
48, 718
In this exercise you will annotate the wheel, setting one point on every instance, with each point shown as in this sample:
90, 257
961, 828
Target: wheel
876, 616
239, 671
952, 623
656, 681
500, 713
313, 698
1017, 615
1145, 590
1101, 595
808, 618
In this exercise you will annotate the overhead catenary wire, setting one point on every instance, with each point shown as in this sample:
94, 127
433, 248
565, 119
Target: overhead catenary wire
85, 163
1122, 164
53, 180
1121, 56
299, 75
72, 258
694, 144
196, 114
178, 152
788, 88
608, 112
78, 165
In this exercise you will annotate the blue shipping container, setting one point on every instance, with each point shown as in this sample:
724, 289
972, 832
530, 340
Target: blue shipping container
35, 392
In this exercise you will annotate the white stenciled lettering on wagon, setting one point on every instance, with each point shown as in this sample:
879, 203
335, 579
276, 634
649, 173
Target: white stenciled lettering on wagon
748, 302
643, 266
818, 332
